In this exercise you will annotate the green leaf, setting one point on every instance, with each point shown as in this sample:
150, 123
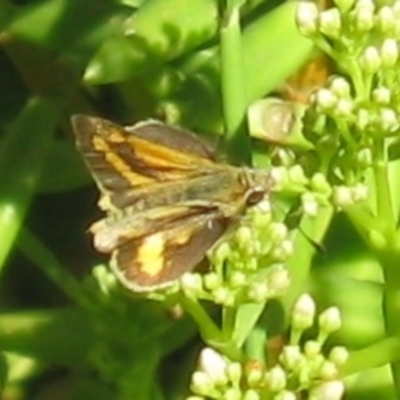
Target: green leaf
23, 152
60, 24
159, 31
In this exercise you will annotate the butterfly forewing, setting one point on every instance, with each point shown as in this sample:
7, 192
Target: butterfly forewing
125, 161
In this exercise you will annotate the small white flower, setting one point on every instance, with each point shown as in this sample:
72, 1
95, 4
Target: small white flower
276, 378
279, 279
330, 320
213, 364
191, 282
333, 390
371, 60
330, 22
339, 355
307, 18
303, 313
291, 357
310, 204
342, 196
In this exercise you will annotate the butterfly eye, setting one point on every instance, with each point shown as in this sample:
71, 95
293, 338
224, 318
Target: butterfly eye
255, 195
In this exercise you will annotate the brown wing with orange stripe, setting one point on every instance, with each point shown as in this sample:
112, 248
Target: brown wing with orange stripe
124, 160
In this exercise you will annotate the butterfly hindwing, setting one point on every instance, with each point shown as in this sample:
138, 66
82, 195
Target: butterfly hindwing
157, 259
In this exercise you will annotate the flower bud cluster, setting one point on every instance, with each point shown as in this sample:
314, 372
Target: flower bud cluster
248, 265
361, 108
363, 40
315, 192
345, 22
299, 368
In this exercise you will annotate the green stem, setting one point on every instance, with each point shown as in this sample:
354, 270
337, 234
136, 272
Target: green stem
228, 321
312, 229
255, 344
209, 331
207, 327
388, 252
384, 204
234, 100
390, 262
353, 69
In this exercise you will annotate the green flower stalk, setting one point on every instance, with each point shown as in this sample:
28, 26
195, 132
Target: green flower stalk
357, 113
300, 367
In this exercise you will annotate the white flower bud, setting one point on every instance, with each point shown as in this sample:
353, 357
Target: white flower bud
309, 204
223, 296
344, 108
251, 394
388, 119
292, 358
342, 196
328, 370
235, 372
283, 251
364, 4
232, 394
312, 348
339, 355
385, 20
330, 22
191, 283
279, 176
325, 99
237, 279
276, 378
332, 390
330, 320
279, 279
364, 157
212, 281
259, 292
201, 383
340, 87
285, 395
214, 365
363, 119
382, 95
389, 53
359, 192
307, 18
303, 313
370, 60
364, 19
278, 232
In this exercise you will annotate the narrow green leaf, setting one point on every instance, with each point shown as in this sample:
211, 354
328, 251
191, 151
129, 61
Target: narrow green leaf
22, 156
